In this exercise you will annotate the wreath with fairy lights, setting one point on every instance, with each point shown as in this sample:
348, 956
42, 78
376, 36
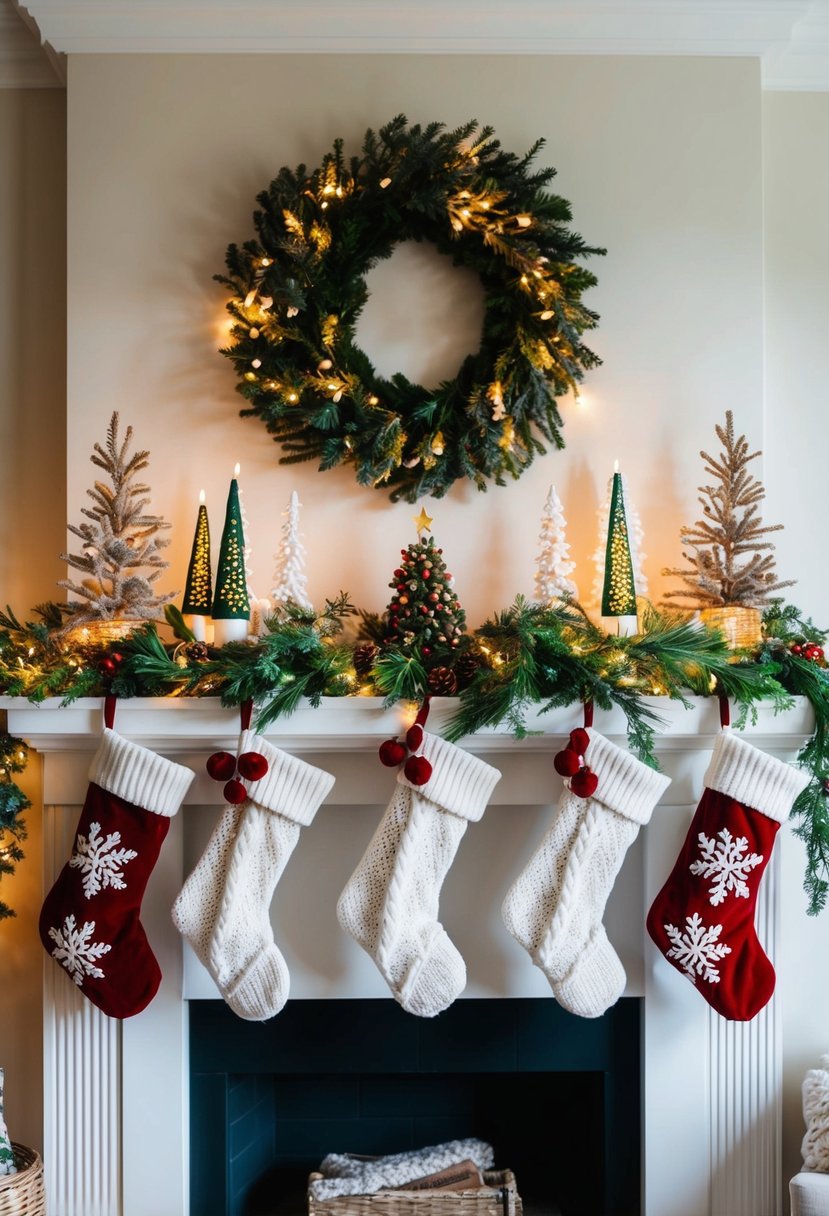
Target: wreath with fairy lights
297, 291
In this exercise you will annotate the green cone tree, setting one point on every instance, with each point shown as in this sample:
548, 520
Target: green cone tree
198, 590
619, 590
230, 601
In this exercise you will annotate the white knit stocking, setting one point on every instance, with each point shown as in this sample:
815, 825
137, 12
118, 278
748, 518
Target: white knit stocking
223, 908
555, 906
390, 903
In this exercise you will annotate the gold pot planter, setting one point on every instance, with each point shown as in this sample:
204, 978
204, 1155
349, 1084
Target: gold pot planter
741, 626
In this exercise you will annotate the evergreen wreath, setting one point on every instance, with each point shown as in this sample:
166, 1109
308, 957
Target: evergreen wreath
297, 291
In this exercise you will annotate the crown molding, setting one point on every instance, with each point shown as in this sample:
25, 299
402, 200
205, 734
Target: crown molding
790, 38
24, 62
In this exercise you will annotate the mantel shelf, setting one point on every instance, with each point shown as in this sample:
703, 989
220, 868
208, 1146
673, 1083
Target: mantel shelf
177, 724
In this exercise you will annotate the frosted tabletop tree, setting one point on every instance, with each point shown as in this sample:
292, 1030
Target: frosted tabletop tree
553, 567
289, 580
729, 561
121, 546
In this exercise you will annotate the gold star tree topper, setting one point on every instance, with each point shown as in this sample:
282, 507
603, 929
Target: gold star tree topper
423, 522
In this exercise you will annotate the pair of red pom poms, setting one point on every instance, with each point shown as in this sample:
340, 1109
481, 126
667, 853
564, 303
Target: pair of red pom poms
570, 763
393, 753
222, 766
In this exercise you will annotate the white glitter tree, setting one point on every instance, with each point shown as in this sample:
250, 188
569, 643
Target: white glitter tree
553, 565
289, 580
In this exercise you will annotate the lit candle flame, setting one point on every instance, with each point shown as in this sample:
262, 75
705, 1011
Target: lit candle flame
201, 498
238, 467
615, 466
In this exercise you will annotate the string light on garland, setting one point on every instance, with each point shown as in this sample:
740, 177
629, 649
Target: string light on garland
318, 394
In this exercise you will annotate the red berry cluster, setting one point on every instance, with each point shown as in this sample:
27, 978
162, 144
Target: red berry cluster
570, 763
393, 753
424, 610
810, 651
109, 664
221, 766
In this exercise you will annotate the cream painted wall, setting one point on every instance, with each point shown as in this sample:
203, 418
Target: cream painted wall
660, 159
796, 196
32, 493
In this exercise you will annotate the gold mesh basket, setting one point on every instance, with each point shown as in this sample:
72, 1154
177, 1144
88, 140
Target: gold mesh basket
498, 1198
23, 1193
741, 626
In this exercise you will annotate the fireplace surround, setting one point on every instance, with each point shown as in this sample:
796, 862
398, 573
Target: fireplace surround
117, 1095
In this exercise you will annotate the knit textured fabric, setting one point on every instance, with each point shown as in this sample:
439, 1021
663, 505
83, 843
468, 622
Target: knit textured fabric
555, 906
347, 1175
223, 909
815, 1091
390, 905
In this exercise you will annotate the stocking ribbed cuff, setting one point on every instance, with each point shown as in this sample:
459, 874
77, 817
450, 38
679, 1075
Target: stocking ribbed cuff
757, 780
139, 776
459, 783
290, 787
626, 785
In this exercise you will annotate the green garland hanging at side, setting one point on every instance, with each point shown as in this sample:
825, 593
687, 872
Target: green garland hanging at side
297, 291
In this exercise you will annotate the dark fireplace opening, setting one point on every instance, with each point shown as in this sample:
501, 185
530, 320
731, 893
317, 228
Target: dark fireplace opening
558, 1097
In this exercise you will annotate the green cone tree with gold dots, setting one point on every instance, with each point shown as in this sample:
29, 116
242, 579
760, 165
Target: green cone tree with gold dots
230, 601
619, 590
198, 590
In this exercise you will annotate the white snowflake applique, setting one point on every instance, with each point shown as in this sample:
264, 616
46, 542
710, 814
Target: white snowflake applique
100, 861
726, 859
697, 949
75, 950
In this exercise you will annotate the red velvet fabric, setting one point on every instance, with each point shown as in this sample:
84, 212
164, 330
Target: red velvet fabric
90, 920
702, 920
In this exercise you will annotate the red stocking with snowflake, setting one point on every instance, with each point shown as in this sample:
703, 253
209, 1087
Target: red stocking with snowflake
89, 922
702, 920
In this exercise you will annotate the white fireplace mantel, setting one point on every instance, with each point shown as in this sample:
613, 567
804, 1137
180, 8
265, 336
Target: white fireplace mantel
711, 1089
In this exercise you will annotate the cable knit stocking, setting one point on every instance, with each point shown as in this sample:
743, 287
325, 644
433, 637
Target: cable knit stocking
555, 906
390, 903
223, 908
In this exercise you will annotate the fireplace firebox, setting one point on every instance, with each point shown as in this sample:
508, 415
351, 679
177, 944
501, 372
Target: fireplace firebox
558, 1097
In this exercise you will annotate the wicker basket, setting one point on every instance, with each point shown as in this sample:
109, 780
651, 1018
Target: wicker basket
499, 1198
741, 626
96, 635
23, 1193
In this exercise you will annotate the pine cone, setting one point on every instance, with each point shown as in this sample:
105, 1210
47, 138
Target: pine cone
196, 652
442, 682
364, 657
466, 667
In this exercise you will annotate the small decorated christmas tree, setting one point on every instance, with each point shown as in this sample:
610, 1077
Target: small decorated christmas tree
121, 557
198, 590
289, 581
729, 563
424, 616
231, 604
13, 802
554, 567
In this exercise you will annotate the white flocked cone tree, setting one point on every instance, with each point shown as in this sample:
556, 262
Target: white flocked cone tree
553, 565
289, 581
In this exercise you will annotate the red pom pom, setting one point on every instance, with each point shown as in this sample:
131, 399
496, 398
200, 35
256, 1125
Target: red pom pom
221, 766
584, 783
579, 740
392, 753
414, 737
252, 765
235, 792
566, 763
417, 769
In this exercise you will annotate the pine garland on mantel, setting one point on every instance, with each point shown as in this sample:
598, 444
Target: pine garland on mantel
529, 656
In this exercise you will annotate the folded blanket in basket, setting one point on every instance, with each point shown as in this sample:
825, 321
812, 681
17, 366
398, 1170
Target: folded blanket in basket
348, 1175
